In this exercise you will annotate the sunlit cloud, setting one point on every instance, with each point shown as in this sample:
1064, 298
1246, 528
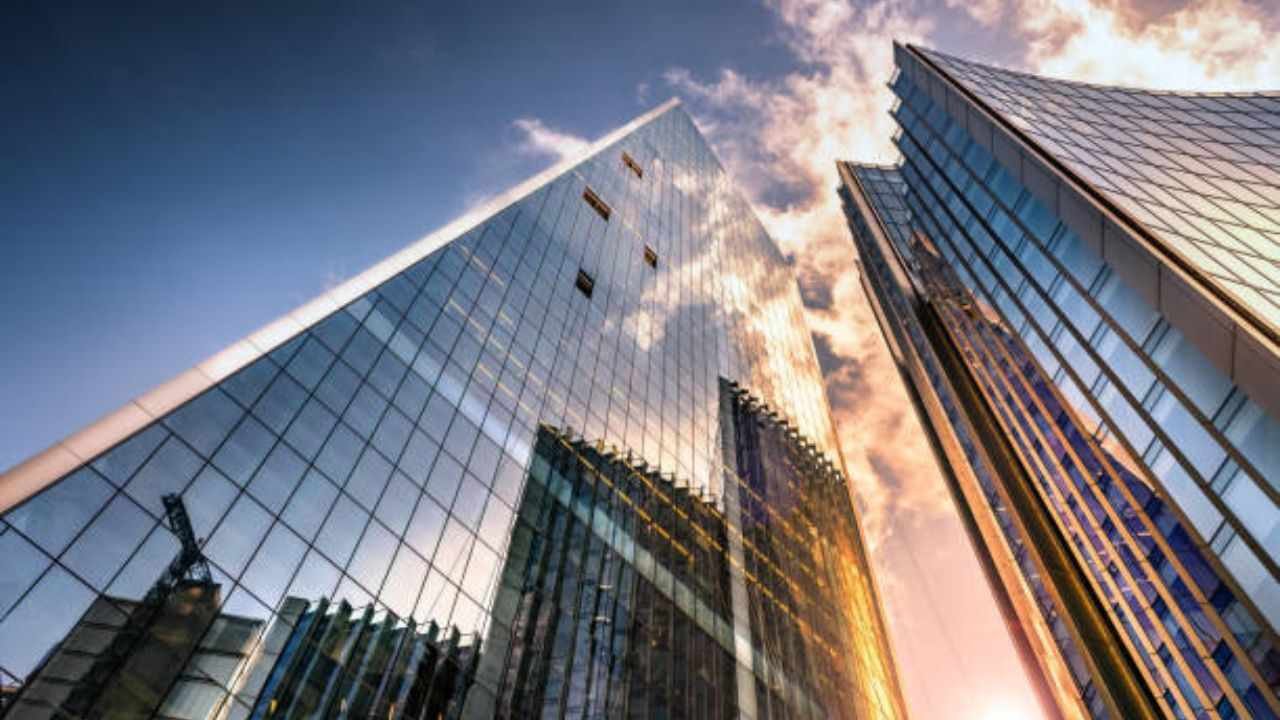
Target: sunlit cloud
779, 138
1164, 44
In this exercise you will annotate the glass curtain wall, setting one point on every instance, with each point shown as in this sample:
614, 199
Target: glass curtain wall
349, 491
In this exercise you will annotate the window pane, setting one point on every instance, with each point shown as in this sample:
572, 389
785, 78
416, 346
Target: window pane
112, 537
41, 620
56, 514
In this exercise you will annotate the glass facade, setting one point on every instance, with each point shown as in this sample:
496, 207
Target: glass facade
626, 588
1200, 170
1011, 551
399, 506
1071, 397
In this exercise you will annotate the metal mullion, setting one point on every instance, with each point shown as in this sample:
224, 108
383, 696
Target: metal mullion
1160, 587
1212, 495
1070, 519
1192, 587
1067, 526
1030, 604
1136, 347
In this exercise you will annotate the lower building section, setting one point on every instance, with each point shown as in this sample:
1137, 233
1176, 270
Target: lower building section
356, 511
624, 593
627, 594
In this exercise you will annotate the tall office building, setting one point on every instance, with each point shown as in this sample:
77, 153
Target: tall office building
569, 456
1080, 287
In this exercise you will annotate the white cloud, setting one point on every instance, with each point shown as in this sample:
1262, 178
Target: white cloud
542, 141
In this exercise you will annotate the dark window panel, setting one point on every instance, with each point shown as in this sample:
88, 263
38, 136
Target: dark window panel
274, 564
247, 384
392, 433
41, 620
426, 526
119, 463
342, 530
372, 558
311, 363
311, 428
310, 505
444, 480
168, 471
207, 499
277, 478
339, 454
24, 563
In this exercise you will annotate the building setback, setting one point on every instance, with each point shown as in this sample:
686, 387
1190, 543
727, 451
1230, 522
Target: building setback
570, 454
1080, 285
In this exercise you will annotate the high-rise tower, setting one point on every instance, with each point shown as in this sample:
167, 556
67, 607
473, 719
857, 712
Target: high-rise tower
1081, 288
570, 453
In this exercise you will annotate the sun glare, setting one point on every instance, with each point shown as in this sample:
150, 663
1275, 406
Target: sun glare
1004, 709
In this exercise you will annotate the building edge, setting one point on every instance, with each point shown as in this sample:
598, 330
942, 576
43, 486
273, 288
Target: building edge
1044, 666
1237, 344
1244, 347
36, 472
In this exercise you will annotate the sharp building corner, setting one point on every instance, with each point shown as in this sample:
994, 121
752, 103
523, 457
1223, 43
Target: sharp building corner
1079, 286
569, 456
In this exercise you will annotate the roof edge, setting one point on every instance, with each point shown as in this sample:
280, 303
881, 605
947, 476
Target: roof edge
1177, 92
1252, 350
36, 472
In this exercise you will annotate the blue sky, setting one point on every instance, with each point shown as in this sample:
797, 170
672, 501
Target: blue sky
174, 177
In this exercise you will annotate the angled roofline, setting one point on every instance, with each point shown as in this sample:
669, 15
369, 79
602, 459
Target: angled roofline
1239, 343
1101, 86
38, 471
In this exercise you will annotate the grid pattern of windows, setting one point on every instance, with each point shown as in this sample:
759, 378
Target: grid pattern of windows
376, 459
1202, 171
1050, 637
620, 586
1093, 383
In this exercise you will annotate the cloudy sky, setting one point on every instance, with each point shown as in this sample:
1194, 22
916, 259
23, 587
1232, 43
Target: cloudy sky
175, 177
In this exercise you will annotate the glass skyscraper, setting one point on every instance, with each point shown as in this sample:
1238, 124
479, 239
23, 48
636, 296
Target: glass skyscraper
570, 456
1080, 287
